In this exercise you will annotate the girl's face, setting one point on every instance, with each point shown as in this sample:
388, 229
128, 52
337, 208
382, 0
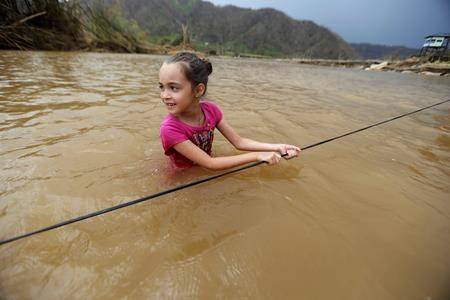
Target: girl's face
176, 90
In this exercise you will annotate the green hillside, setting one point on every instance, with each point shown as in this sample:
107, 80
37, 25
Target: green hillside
161, 26
233, 29
371, 51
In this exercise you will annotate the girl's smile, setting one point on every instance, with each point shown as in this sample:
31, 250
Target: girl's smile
176, 90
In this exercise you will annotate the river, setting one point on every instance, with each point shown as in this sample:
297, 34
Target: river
363, 217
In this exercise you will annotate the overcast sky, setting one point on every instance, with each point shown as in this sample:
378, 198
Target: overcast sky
388, 22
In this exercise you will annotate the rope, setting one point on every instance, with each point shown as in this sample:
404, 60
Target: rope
183, 186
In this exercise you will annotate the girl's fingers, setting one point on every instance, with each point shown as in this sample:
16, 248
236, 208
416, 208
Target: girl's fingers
275, 158
289, 151
286, 147
292, 147
291, 154
270, 158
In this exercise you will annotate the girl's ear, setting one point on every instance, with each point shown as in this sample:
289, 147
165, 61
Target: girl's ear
199, 90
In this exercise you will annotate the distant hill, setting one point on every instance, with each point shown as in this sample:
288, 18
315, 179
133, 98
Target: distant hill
370, 51
233, 29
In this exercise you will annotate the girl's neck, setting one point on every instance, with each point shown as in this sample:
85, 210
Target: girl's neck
193, 115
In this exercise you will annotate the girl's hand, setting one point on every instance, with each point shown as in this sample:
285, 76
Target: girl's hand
291, 150
271, 158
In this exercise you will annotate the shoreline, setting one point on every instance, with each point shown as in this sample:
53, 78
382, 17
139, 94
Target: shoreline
406, 66
414, 65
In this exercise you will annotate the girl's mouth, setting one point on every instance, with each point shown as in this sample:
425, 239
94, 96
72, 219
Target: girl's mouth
170, 104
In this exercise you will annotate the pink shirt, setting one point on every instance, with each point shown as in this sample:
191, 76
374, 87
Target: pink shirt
174, 131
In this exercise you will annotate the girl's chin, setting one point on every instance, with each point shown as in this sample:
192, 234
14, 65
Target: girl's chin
172, 111
171, 108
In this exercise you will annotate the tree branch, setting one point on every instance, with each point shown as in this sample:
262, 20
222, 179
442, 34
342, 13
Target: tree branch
28, 18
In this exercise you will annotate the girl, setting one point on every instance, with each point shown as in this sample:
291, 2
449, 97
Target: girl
187, 132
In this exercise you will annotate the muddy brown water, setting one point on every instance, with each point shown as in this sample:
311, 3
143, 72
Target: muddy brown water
365, 217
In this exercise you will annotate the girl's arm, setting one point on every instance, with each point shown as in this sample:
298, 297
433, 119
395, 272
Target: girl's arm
245, 144
200, 157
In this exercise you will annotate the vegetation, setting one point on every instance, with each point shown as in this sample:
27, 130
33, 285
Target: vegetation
32, 24
107, 27
68, 25
369, 51
185, 6
235, 30
161, 26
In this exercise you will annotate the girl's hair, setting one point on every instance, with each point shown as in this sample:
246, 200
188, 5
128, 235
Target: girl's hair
194, 68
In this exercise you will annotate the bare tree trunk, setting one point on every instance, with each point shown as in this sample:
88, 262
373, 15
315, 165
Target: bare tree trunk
184, 29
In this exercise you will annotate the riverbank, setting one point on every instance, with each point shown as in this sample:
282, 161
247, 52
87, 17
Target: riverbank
410, 65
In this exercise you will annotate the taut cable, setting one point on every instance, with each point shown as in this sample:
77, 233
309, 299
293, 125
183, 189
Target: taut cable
183, 186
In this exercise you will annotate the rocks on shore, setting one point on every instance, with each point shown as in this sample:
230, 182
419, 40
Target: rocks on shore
378, 67
431, 73
408, 66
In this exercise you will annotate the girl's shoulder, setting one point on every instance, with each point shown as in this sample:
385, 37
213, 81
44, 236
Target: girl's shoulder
169, 119
170, 123
212, 108
209, 104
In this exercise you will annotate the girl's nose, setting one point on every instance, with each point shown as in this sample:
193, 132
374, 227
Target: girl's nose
165, 94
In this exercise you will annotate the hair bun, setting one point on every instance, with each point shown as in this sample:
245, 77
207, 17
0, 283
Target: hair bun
208, 65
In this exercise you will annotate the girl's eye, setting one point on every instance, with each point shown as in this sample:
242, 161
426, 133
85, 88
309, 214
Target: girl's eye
174, 88
161, 87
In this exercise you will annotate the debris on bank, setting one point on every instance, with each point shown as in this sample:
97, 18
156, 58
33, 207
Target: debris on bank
411, 65
414, 65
